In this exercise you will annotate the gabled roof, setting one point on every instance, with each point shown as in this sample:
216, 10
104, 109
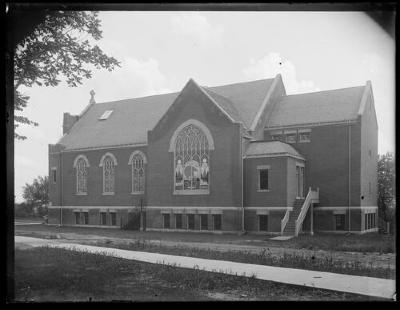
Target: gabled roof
271, 148
319, 107
227, 105
246, 97
132, 118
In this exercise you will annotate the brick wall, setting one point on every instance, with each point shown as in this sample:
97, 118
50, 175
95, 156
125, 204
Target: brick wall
277, 178
95, 197
225, 160
327, 163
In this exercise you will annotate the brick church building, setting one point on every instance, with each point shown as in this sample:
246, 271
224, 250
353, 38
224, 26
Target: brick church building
232, 158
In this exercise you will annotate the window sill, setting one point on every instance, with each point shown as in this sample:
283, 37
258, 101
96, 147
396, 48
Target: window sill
192, 192
305, 141
263, 190
81, 194
137, 193
108, 194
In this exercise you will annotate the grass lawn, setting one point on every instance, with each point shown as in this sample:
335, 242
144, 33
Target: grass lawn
49, 274
371, 242
264, 257
29, 219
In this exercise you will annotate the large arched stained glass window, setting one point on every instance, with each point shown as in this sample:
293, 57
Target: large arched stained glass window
81, 165
192, 158
138, 160
108, 162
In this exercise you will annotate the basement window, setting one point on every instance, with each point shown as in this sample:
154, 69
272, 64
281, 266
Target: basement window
106, 115
340, 221
166, 221
190, 221
263, 222
203, 222
217, 219
113, 218
77, 218
178, 221
103, 216
86, 218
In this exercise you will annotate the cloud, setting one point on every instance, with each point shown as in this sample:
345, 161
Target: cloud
272, 64
135, 78
196, 25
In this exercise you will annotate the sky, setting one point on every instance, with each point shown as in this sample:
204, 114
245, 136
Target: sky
160, 51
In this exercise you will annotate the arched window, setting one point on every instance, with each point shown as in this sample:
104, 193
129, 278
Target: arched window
108, 162
81, 164
138, 161
192, 143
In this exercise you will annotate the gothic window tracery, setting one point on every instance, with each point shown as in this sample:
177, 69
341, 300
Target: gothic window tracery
138, 161
191, 159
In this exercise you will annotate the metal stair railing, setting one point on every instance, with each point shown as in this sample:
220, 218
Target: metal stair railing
312, 196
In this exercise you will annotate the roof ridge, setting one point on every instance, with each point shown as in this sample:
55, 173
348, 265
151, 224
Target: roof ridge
135, 98
237, 83
177, 92
324, 91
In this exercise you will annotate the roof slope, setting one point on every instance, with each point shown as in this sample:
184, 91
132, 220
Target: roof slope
257, 148
128, 124
132, 118
247, 97
318, 107
225, 104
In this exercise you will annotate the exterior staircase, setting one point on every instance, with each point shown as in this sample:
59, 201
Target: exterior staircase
293, 215
293, 220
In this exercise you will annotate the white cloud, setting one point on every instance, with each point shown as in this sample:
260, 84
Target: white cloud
272, 64
196, 25
135, 78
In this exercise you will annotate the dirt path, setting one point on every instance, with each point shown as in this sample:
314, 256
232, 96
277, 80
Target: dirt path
372, 260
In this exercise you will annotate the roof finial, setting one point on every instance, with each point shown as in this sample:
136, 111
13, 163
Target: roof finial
92, 93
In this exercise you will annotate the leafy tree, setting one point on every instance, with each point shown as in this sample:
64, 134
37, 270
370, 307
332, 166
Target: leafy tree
23, 210
57, 48
386, 186
37, 193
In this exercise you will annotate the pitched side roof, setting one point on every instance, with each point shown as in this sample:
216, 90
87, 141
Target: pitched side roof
259, 148
227, 105
325, 106
246, 97
128, 124
132, 118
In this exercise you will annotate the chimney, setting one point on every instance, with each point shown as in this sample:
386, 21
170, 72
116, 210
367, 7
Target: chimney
68, 122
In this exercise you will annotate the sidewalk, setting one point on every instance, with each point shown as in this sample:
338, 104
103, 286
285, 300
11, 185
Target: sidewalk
338, 282
378, 260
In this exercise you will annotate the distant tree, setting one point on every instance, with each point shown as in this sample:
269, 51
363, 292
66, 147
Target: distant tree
36, 194
386, 186
23, 210
57, 48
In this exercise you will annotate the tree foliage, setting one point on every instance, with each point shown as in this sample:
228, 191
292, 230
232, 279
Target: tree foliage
386, 186
37, 193
58, 48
